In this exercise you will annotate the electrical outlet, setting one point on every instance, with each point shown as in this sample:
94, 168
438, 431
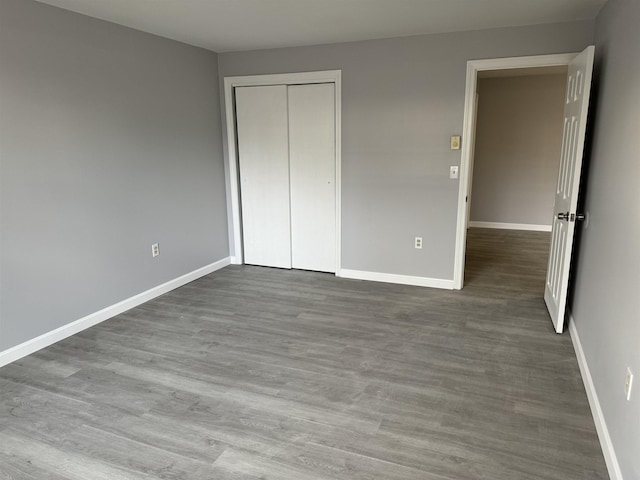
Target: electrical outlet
418, 242
155, 250
628, 383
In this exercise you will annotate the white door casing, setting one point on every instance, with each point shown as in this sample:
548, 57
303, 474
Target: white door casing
263, 152
313, 172
566, 198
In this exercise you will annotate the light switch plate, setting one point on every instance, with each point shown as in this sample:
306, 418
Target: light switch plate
453, 171
455, 142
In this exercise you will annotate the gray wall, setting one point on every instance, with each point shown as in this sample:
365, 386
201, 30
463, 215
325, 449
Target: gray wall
517, 148
109, 142
606, 303
401, 100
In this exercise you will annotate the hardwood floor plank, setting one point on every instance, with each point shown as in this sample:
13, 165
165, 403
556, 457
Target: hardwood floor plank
261, 373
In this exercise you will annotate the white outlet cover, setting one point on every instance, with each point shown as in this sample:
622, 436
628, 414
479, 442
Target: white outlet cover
453, 172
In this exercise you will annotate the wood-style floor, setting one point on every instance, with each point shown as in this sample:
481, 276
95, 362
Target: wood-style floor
258, 373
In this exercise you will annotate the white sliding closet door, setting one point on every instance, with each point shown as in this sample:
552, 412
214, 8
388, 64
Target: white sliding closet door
312, 164
263, 149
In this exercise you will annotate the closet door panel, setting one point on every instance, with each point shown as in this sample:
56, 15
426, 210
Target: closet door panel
313, 176
263, 150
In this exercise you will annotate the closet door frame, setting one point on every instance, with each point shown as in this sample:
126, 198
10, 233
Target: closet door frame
231, 160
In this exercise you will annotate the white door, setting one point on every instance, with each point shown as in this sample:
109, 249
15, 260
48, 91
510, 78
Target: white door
564, 210
312, 161
263, 151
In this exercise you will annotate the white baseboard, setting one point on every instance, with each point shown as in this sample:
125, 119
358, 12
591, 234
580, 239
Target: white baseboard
511, 226
393, 278
30, 346
598, 417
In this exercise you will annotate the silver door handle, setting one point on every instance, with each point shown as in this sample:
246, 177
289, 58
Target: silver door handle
563, 216
579, 217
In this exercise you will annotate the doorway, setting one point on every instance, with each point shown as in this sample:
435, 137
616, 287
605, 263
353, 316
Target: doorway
514, 168
474, 69
518, 140
575, 111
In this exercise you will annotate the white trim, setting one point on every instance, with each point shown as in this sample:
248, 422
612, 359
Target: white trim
598, 417
30, 346
473, 67
231, 163
511, 226
393, 278
532, 61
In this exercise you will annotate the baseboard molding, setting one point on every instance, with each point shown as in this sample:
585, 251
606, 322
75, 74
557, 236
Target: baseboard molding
598, 417
393, 278
30, 346
511, 226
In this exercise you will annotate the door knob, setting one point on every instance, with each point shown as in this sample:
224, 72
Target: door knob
579, 217
563, 216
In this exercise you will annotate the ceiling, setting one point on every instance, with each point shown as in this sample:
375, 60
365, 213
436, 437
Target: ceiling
233, 25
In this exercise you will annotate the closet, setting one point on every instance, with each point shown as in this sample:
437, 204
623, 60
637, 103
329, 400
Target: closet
287, 163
